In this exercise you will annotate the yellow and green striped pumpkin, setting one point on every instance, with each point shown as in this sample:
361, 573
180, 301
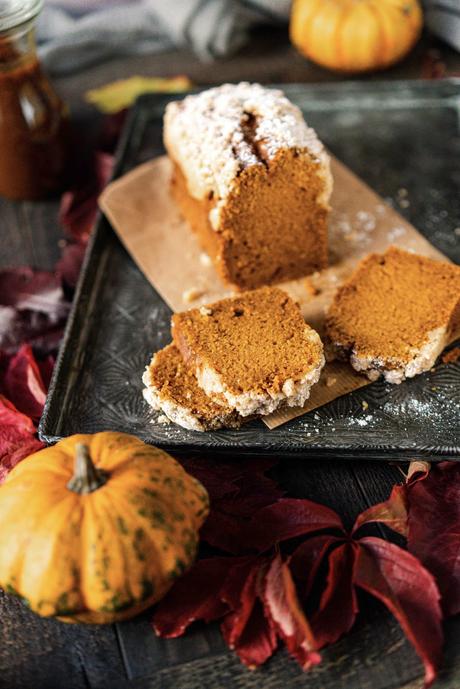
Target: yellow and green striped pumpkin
97, 527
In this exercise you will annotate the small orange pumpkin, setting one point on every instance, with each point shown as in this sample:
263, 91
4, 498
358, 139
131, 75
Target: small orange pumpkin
355, 35
97, 527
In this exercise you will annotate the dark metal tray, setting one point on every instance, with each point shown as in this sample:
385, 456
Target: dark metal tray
395, 135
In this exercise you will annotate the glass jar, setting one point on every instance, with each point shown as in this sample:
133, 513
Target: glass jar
33, 119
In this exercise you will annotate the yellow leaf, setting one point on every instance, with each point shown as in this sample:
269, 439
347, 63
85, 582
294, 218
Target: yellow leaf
121, 94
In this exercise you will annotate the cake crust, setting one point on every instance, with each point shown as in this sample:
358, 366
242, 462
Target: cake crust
171, 387
254, 349
394, 315
252, 180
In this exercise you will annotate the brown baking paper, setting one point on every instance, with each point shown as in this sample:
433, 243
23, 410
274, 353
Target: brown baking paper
147, 221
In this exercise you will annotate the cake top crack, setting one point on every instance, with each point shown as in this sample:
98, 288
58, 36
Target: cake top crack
216, 134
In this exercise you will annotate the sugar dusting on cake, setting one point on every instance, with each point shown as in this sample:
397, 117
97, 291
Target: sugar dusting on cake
207, 137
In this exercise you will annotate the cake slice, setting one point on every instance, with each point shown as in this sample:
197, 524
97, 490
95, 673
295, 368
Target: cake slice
395, 314
252, 180
172, 388
254, 349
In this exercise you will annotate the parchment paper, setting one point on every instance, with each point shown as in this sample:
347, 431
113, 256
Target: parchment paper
147, 221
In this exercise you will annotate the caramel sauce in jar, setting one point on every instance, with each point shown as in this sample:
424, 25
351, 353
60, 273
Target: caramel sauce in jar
33, 122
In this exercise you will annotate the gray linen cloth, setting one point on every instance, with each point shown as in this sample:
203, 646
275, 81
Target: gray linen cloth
73, 34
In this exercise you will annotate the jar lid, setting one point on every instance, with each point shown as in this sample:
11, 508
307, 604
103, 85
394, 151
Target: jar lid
13, 13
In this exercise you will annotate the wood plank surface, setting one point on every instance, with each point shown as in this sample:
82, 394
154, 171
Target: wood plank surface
47, 654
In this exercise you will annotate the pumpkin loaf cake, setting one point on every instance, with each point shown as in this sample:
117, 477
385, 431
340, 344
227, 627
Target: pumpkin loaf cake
395, 314
172, 388
252, 180
255, 350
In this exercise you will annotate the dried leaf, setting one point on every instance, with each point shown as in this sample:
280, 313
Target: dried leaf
306, 560
246, 629
258, 639
282, 605
33, 310
23, 384
78, 209
195, 596
33, 290
122, 93
237, 489
69, 265
17, 437
46, 367
338, 606
418, 469
434, 527
392, 512
286, 519
409, 591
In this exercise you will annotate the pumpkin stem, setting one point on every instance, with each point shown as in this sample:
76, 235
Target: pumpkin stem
86, 478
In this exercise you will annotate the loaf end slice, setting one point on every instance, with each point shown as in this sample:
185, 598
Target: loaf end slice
171, 387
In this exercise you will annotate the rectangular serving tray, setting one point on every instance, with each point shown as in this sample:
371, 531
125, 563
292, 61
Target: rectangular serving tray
403, 139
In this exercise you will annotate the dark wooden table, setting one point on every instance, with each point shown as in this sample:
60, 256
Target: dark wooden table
45, 654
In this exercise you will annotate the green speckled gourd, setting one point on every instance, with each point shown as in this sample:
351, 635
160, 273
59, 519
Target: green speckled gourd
97, 527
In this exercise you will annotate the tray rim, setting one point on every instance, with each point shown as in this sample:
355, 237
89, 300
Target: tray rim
449, 88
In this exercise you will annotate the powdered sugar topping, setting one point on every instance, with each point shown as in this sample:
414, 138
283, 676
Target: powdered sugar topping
208, 134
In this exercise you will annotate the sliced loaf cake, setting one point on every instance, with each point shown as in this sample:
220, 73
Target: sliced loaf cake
395, 314
255, 350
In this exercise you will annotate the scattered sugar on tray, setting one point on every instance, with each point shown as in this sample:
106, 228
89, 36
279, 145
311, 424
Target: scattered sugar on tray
395, 233
162, 419
355, 230
361, 421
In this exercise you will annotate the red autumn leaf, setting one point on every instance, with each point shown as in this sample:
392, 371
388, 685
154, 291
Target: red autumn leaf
307, 558
215, 478
338, 606
79, 208
392, 512
69, 265
283, 607
258, 639
17, 437
254, 491
223, 531
417, 471
227, 480
246, 629
237, 490
288, 518
46, 367
23, 384
195, 596
33, 290
434, 526
32, 310
408, 590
